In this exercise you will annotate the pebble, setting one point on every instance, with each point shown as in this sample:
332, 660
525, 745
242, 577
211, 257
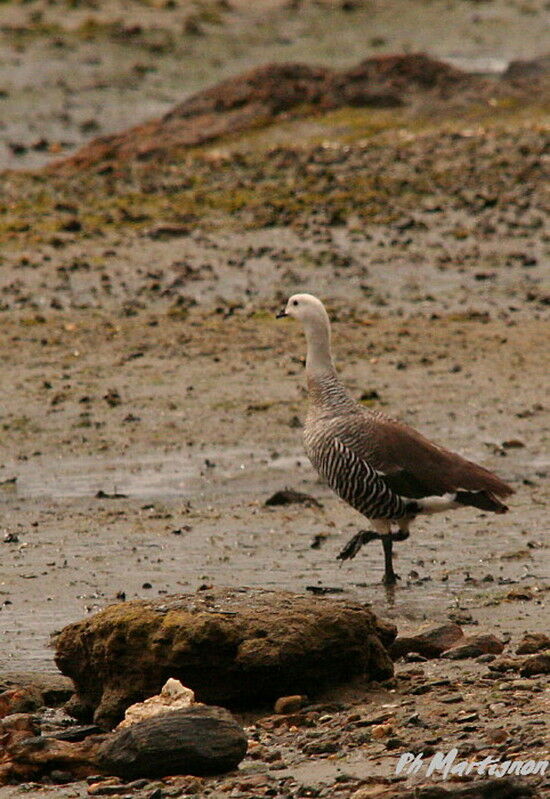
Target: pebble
505, 664
497, 736
381, 730
532, 643
465, 717
108, 787
536, 664
451, 699
370, 792
288, 704
526, 685
21, 699
513, 685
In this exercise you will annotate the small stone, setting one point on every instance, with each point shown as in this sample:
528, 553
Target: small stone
288, 496
430, 642
522, 685
414, 657
381, 730
464, 717
461, 617
520, 594
173, 696
497, 736
112, 398
22, 699
532, 643
506, 664
451, 699
104, 787
394, 743
536, 664
475, 645
371, 792
288, 704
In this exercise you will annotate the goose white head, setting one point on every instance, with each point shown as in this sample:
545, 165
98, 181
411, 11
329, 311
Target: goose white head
312, 314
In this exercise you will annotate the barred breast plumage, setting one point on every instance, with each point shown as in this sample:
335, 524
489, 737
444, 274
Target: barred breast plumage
332, 436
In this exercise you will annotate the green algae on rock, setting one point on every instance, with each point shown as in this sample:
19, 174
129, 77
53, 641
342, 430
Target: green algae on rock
237, 648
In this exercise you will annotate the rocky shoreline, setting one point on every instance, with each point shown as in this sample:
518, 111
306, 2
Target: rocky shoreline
357, 740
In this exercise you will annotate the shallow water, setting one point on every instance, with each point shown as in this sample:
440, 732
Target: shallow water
150, 476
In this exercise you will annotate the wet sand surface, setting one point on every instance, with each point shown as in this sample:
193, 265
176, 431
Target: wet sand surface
191, 511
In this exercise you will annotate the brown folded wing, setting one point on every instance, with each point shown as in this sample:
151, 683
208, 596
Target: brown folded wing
415, 467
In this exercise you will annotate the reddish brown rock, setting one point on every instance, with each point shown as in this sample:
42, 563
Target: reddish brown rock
22, 699
532, 643
524, 594
198, 740
430, 642
506, 664
536, 664
233, 648
16, 728
475, 645
288, 704
25, 755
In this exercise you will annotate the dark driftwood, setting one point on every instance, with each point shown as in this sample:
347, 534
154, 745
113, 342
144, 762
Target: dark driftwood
200, 740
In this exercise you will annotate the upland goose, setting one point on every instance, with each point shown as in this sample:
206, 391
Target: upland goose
381, 467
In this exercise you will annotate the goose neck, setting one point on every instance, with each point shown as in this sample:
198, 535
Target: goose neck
319, 357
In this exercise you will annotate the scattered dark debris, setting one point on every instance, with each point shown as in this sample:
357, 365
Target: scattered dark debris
321, 590
288, 496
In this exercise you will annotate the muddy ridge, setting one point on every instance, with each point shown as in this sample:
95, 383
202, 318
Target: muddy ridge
262, 95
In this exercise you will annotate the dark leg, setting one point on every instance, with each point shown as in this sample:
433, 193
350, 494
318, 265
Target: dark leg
356, 542
390, 577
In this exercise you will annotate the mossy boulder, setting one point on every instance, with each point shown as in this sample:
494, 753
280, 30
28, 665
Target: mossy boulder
236, 648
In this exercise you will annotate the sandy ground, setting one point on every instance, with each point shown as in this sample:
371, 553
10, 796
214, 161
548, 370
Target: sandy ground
186, 412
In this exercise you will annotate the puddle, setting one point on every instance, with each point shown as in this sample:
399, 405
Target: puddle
150, 476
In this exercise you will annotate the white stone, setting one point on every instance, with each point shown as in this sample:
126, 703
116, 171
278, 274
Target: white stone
173, 696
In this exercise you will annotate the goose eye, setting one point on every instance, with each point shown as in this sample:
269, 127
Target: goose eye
295, 302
